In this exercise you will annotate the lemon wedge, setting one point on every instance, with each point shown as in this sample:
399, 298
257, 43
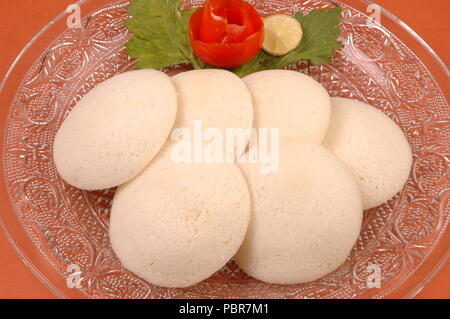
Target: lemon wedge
283, 34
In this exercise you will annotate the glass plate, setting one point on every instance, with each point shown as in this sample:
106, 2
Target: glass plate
62, 232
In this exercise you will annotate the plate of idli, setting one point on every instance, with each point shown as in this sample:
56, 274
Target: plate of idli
313, 181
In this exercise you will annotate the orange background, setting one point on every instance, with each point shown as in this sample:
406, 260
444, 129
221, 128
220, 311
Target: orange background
21, 19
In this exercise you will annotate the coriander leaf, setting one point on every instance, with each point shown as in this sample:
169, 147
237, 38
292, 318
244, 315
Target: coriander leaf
160, 34
320, 33
319, 37
262, 61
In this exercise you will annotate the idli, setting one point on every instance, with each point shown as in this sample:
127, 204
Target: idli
177, 224
291, 101
115, 130
218, 99
373, 146
305, 218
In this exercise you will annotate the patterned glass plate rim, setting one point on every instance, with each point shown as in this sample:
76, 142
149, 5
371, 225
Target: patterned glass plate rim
411, 291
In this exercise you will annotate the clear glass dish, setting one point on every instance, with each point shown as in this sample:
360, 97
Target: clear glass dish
61, 232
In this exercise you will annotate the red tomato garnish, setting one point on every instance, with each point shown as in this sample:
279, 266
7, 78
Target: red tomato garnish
226, 33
